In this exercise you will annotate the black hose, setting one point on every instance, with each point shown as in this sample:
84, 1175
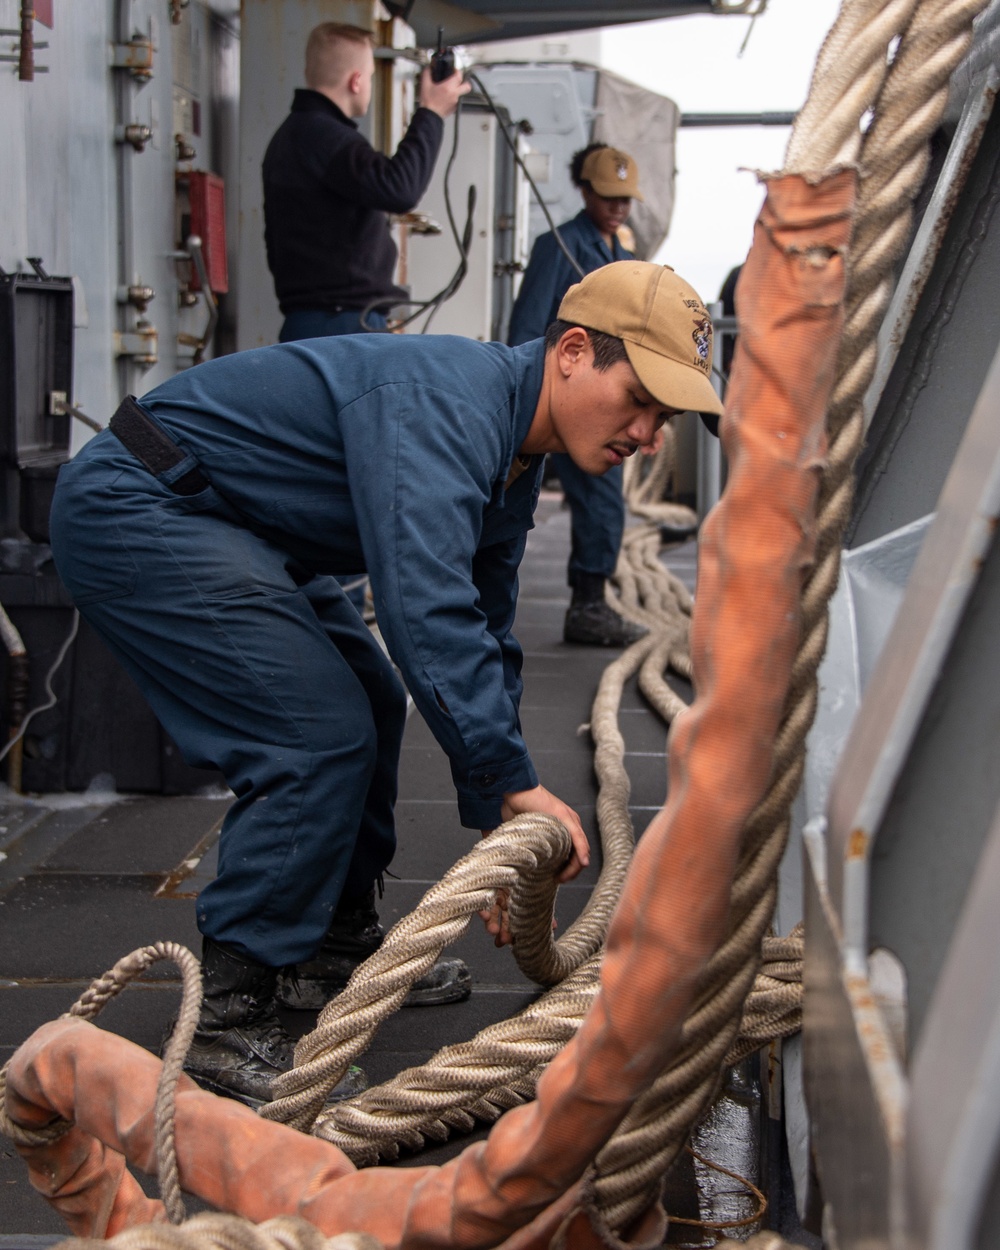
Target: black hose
464, 243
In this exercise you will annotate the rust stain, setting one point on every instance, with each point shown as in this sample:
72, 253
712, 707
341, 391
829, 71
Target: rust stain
170, 886
857, 844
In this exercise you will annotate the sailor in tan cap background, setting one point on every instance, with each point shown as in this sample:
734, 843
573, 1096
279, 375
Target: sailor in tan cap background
608, 181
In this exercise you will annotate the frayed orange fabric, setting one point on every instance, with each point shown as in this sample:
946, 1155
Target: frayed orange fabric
675, 904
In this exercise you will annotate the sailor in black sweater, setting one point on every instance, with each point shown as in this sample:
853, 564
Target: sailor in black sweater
327, 191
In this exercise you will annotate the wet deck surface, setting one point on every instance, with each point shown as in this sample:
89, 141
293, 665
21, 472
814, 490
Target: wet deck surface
86, 879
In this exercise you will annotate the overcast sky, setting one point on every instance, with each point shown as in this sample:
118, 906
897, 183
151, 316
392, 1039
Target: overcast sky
695, 61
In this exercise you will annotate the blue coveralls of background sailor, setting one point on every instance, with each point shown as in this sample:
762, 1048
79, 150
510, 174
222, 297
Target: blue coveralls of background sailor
597, 510
380, 452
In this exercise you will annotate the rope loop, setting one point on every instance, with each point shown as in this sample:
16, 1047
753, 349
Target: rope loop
529, 846
90, 1004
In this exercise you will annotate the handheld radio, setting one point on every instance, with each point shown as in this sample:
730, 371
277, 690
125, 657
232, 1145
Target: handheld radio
443, 60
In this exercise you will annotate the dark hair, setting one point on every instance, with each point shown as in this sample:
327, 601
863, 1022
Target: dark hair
608, 350
576, 164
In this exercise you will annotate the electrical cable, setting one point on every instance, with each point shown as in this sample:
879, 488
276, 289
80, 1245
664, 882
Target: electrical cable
477, 83
464, 242
51, 697
431, 306
445, 293
721, 1225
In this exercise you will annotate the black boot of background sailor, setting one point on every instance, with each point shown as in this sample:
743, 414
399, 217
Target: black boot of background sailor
354, 934
592, 621
240, 1046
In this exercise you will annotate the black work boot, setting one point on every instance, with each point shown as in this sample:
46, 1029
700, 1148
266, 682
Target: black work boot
353, 935
240, 1046
592, 621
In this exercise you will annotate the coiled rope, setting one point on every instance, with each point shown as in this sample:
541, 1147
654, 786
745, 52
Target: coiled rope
479, 1079
213, 1231
498, 1068
522, 857
284, 1232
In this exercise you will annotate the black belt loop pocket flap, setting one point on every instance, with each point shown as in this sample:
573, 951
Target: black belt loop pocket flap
151, 445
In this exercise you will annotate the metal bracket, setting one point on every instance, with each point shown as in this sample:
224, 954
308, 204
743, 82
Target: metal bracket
401, 54
136, 56
140, 345
138, 295
419, 223
22, 52
59, 406
194, 253
135, 134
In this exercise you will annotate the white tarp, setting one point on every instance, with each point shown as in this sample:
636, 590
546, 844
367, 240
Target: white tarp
643, 124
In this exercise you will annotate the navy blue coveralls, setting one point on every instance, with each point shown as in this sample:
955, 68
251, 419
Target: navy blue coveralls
381, 452
597, 510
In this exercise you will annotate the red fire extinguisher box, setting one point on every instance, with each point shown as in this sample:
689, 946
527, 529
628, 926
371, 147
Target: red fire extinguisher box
207, 198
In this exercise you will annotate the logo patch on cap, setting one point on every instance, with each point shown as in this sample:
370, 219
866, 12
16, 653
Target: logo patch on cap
621, 169
702, 335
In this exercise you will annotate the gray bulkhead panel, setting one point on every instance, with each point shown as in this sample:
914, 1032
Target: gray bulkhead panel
955, 330
556, 103
433, 259
943, 804
93, 206
892, 878
57, 190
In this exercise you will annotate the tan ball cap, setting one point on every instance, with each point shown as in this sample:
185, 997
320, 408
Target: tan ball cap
611, 173
665, 327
